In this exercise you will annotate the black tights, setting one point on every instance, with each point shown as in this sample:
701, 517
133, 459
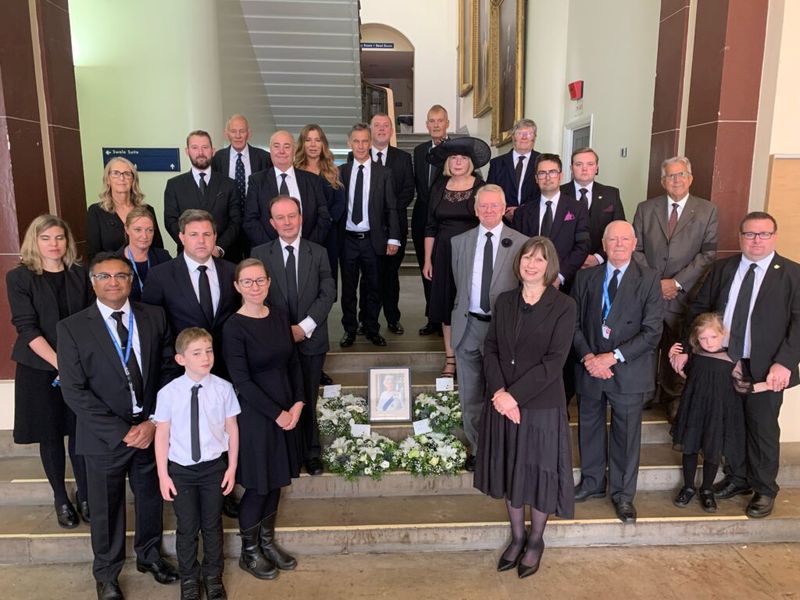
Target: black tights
54, 462
535, 540
690, 469
254, 507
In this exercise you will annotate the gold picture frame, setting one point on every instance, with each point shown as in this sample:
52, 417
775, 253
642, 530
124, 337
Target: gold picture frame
481, 58
507, 47
466, 14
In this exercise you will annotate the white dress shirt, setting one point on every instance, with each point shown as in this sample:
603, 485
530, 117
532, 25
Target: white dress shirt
213, 279
477, 265
515, 155
727, 319
248, 170
308, 325
681, 205
196, 175
111, 323
362, 227
588, 187
374, 152
291, 183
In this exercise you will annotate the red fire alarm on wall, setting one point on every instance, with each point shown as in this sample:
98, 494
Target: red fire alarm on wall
576, 90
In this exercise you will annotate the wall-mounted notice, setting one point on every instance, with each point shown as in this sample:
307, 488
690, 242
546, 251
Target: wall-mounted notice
147, 159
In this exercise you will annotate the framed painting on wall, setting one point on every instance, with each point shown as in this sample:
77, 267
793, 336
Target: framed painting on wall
508, 54
466, 14
481, 61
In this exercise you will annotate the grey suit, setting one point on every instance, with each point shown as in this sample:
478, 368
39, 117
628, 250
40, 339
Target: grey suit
468, 332
316, 293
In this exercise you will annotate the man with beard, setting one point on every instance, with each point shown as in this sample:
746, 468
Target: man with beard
201, 189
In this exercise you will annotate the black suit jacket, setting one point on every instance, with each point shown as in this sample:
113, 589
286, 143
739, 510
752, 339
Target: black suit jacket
259, 160
421, 170
569, 233
502, 172
105, 231
606, 207
263, 187
316, 290
220, 200
34, 309
93, 380
636, 320
384, 222
774, 320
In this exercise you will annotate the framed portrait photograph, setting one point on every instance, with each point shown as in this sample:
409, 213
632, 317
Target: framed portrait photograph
465, 15
389, 395
508, 45
481, 58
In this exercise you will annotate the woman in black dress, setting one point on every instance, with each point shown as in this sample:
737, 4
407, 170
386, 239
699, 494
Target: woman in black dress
105, 220
524, 450
451, 211
47, 286
265, 369
140, 228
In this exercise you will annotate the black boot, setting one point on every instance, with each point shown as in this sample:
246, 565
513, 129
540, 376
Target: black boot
251, 559
272, 551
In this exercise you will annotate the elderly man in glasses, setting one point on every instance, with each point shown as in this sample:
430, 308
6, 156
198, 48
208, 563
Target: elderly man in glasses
677, 236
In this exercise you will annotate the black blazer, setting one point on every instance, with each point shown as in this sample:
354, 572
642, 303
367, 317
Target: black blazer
259, 160
421, 167
606, 207
384, 222
502, 172
775, 319
535, 376
93, 381
34, 309
105, 231
156, 256
263, 187
316, 290
636, 320
221, 200
569, 233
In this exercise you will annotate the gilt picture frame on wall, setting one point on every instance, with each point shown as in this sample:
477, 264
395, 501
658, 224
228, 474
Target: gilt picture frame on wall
466, 14
508, 69
481, 58
389, 395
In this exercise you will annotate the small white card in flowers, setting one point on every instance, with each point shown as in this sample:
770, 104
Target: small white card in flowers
331, 391
422, 426
357, 430
444, 384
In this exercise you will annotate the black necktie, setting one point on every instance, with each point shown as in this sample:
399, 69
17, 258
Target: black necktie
291, 285
241, 185
204, 288
518, 170
740, 313
194, 423
486, 274
380, 157
133, 365
203, 184
673, 220
547, 220
584, 199
612, 285
283, 190
358, 197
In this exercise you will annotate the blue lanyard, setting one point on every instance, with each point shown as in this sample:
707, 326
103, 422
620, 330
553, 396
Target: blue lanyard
129, 346
606, 299
136, 271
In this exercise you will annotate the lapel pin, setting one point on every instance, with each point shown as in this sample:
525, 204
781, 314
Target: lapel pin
776, 266
506, 242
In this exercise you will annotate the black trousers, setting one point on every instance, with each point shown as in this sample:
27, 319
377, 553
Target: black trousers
360, 261
311, 366
106, 482
198, 507
419, 219
389, 285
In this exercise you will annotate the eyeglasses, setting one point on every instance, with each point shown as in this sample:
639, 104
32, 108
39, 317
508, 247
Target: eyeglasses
120, 174
762, 235
248, 283
550, 173
120, 277
490, 207
678, 175
525, 134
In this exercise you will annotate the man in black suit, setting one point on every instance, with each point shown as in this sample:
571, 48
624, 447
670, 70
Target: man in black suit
282, 179
616, 334
302, 284
113, 357
371, 229
514, 170
425, 174
201, 188
758, 294
602, 201
561, 218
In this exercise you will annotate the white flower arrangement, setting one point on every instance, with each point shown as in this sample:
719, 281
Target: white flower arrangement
432, 454
335, 415
351, 457
442, 409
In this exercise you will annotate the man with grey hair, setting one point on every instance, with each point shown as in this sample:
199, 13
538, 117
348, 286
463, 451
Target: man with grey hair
677, 236
514, 170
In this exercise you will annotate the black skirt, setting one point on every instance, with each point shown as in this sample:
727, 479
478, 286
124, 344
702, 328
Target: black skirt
40, 413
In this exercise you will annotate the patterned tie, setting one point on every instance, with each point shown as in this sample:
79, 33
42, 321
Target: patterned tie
740, 313
358, 197
673, 220
241, 185
547, 220
284, 189
486, 275
194, 422
133, 364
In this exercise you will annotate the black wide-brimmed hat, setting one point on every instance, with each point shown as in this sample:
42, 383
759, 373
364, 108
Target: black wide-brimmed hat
477, 150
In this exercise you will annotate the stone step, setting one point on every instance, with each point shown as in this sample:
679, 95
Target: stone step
429, 524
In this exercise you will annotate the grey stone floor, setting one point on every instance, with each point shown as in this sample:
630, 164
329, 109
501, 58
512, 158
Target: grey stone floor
758, 571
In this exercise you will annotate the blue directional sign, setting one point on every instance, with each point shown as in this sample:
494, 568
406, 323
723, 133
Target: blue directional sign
377, 45
147, 159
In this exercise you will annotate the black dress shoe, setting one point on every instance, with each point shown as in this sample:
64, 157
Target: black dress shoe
505, 564
430, 329
214, 588
230, 506
625, 510
325, 379
707, 501
377, 339
83, 511
728, 489
109, 590
582, 494
469, 465
397, 328
347, 340
760, 506
524, 570
161, 570
66, 516
190, 589
685, 496
314, 466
